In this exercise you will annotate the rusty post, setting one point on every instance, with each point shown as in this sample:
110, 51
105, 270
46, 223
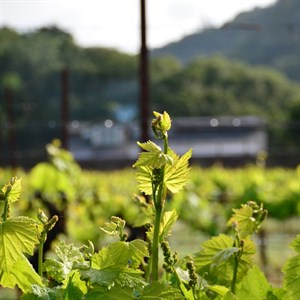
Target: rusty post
144, 77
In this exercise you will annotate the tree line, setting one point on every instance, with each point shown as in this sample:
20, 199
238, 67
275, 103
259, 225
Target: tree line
104, 84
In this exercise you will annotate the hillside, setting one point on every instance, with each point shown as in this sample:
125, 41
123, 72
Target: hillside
264, 36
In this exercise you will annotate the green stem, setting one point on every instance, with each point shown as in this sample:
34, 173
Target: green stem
40, 253
237, 257
5, 210
159, 198
236, 264
155, 244
6, 207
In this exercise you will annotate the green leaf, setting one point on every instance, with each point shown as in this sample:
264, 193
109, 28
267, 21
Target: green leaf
280, 293
154, 157
22, 274
115, 227
69, 255
160, 291
144, 178
243, 221
17, 236
291, 271
114, 293
254, 286
220, 290
43, 293
75, 288
217, 259
223, 255
104, 277
295, 244
121, 254
176, 174
168, 221
150, 147
110, 228
12, 190
247, 219
165, 120
116, 263
110, 276
176, 171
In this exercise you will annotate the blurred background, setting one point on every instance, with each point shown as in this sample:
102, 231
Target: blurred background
227, 72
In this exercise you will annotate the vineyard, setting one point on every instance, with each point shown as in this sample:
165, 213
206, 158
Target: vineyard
223, 223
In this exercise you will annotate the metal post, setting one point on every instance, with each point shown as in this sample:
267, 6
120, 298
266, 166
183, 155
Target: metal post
64, 107
144, 77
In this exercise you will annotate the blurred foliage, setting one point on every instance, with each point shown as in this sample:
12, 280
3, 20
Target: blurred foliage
205, 204
217, 86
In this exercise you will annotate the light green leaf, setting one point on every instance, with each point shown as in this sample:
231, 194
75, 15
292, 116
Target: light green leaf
12, 190
219, 289
22, 274
217, 259
114, 293
56, 269
150, 146
144, 178
168, 221
146, 212
165, 120
244, 219
176, 174
254, 286
17, 236
280, 293
154, 157
110, 276
43, 293
223, 256
75, 288
110, 228
161, 291
69, 255
295, 244
121, 254
116, 263
291, 271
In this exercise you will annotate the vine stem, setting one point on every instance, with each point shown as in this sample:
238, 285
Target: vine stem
6, 206
5, 210
159, 200
236, 264
155, 244
40, 253
237, 257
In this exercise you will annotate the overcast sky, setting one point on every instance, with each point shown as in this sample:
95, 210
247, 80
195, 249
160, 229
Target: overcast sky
116, 23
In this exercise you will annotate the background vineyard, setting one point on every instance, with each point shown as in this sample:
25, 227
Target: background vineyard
85, 200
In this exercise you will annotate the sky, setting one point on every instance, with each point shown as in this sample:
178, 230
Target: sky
116, 23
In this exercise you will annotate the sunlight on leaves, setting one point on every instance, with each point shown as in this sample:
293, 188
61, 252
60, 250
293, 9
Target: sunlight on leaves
17, 236
291, 271
177, 174
12, 190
